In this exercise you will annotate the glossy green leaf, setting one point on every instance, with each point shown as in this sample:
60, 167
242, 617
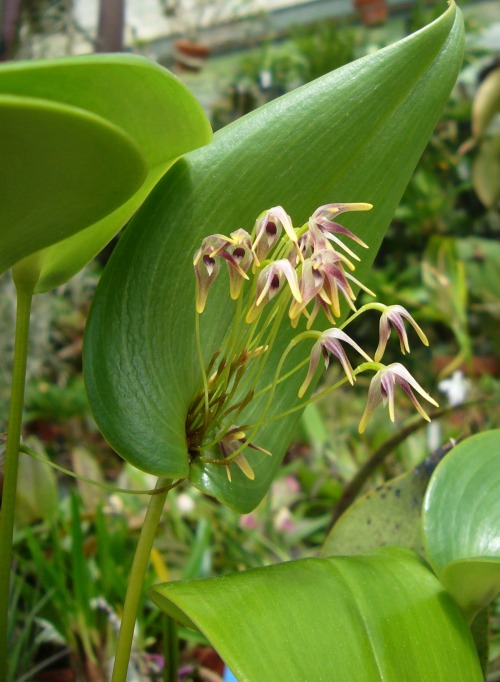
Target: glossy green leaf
461, 521
391, 514
151, 109
353, 135
380, 617
61, 168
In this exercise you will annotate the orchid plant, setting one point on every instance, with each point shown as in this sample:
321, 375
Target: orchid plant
198, 377
275, 272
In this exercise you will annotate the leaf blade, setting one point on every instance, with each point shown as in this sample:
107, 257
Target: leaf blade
379, 617
461, 520
149, 105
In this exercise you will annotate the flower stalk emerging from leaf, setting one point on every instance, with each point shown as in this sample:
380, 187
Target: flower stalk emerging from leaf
275, 272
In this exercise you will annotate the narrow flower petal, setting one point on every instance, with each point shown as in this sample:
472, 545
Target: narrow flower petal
324, 214
239, 258
244, 466
232, 441
313, 364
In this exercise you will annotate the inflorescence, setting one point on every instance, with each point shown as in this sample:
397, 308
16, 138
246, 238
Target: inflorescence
278, 270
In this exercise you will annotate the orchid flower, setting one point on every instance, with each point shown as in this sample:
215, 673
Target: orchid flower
269, 283
330, 341
322, 219
394, 315
323, 278
268, 228
382, 391
230, 443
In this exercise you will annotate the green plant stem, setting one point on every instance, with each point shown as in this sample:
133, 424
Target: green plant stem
136, 580
7, 512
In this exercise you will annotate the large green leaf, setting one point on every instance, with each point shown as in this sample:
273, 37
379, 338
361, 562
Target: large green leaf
461, 521
380, 617
153, 111
61, 168
353, 135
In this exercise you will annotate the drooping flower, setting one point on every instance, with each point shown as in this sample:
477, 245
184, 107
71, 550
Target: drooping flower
322, 278
243, 256
382, 391
230, 443
268, 228
330, 341
322, 218
395, 315
269, 283
236, 250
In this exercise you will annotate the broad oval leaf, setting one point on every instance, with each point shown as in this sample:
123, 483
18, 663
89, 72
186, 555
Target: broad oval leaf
146, 102
381, 617
461, 521
353, 135
61, 168
391, 514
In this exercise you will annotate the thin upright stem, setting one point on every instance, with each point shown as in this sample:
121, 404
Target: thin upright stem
136, 580
7, 512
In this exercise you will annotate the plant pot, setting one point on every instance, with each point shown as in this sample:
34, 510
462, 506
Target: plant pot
371, 12
190, 56
480, 364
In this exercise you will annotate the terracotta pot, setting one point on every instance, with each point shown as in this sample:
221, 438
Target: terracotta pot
190, 56
481, 364
372, 12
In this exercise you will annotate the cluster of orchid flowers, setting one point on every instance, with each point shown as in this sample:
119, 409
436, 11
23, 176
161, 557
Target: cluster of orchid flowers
303, 271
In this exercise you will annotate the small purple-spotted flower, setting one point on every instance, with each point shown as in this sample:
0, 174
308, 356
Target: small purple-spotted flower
394, 315
234, 250
230, 443
322, 278
331, 341
382, 391
269, 283
242, 257
206, 266
268, 227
